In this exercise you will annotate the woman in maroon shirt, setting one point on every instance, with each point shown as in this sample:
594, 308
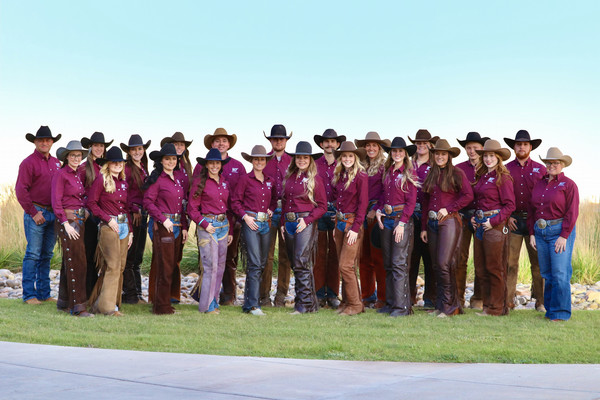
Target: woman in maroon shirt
447, 190
252, 201
163, 198
108, 201
495, 199
396, 206
67, 203
208, 205
351, 199
136, 172
371, 261
304, 202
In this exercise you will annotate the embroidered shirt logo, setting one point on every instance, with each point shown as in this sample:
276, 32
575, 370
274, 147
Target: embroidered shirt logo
234, 170
491, 179
224, 185
561, 184
123, 186
269, 185
536, 170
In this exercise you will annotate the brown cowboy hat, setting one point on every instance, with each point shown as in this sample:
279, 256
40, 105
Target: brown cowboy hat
42, 133
443, 145
423, 135
372, 137
523, 136
349, 147
177, 137
208, 139
492, 145
257, 151
328, 134
555, 154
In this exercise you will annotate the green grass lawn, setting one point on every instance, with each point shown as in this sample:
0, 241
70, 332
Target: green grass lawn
522, 337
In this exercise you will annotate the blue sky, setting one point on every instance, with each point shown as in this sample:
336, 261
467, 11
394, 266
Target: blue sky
153, 68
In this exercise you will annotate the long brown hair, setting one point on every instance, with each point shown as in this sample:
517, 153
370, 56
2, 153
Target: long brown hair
448, 178
501, 171
311, 173
203, 176
90, 173
135, 170
407, 175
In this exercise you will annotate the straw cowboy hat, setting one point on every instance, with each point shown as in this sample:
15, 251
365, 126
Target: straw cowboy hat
134, 141
329, 134
423, 135
73, 145
42, 133
555, 154
494, 147
168, 149
97, 137
278, 132
113, 154
212, 155
304, 149
349, 147
177, 137
443, 145
372, 137
473, 137
523, 136
219, 132
257, 151
399, 143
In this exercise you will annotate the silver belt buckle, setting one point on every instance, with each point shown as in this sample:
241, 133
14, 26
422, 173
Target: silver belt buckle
479, 214
80, 212
388, 209
417, 207
432, 215
541, 223
340, 215
262, 217
279, 203
176, 217
290, 216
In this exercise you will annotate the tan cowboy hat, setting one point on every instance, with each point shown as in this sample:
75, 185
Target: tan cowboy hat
349, 147
494, 147
443, 145
372, 137
257, 151
554, 154
177, 137
423, 135
208, 139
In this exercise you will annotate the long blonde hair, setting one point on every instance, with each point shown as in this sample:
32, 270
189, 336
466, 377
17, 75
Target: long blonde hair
407, 175
311, 173
352, 172
109, 182
373, 166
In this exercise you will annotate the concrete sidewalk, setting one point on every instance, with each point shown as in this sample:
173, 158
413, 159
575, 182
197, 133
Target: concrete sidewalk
30, 371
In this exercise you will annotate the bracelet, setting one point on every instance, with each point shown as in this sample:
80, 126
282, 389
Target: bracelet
401, 224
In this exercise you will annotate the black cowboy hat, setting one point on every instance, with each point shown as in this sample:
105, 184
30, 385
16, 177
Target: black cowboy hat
134, 141
278, 132
43, 133
304, 149
97, 137
423, 135
399, 143
113, 154
212, 155
177, 137
473, 137
523, 136
329, 134
168, 149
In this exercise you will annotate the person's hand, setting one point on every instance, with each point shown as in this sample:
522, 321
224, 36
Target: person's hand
512, 224
441, 214
71, 232
184, 236
474, 223
301, 225
560, 245
250, 221
282, 233
378, 215
532, 242
398, 233
112, 224
269, 213
168, 224
137, 218
487, 225
352, 236
424, 236
229, 239
39, 218
371, 216
210, 229
130, 242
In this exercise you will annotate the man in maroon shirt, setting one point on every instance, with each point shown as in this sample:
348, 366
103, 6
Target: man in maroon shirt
33, 190
326, 270
525, 173
472, 143
276, 169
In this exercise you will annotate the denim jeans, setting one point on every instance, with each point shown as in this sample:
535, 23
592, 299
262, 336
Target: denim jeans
325, 223
36, 263
212, 249
556, 269
176, 228
257, 247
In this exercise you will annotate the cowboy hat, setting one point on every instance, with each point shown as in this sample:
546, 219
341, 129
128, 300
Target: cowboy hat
278, 132
329, 134
304, 149
399, 143
42, 133
73, 145
113, 154
372, 137
473, 137
493, 146
443, 145
554, 154
168, 149
219, 132
423, 135
257, 151
134, 141
523, 136
212, 155
177, 137
349, 147
97, 137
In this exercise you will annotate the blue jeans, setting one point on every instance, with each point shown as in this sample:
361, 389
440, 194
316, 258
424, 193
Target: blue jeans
556, 269
36, 263
176, 228
276, 218
257, 247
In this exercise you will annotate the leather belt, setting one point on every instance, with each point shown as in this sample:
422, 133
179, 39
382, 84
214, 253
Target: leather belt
519, 214
345, 217
121, 218
544, 223
388, 209
481, 214
48, 208
218, 218
259, 216
175, 217
293, 217
79, 213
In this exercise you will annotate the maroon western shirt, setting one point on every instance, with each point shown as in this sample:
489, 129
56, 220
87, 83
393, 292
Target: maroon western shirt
394, 195
35, 180
554, 199
277, 169
166, 195
81, 170
469, 170
295, 198
524, 179
451, 201
232, 171
213, 200
421, 172
103, 204
353, 199
250, 194
489, 196
376, 184
67, 192
135, 196
325, 171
